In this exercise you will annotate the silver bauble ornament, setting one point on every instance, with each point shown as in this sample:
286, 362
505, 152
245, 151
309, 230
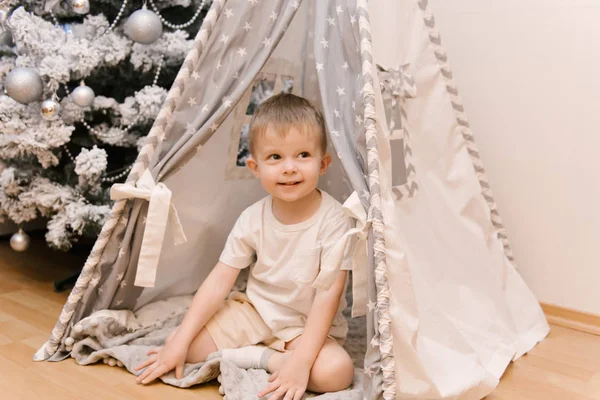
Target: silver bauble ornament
19, 241
80, 6
24, 85
143, 26
50, 109
6, 38
83, 95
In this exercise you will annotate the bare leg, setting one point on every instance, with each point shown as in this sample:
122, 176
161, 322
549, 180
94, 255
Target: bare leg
201, 346
332, 371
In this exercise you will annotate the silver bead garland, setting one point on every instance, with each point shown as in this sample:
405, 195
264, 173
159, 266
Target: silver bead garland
178, 26
110, 28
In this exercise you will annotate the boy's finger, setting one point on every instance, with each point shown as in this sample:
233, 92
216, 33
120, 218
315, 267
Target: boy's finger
158, 372
145, 363
270, 387
179, 371
144, 374
298, 394
289, 395
154, 350
273, 376
278, 394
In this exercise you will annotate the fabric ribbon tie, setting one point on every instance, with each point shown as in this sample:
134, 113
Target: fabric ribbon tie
352, 208
160, 212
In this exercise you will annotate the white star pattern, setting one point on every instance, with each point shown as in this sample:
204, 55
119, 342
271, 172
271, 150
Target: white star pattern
120, 276
122, 252
354, 105
247, 27
365, 195
338, 10
192, 101
267, 42
335, 133
358, 119
336, 112
123, 284
214, 127
339, 156
219, 65
241, 51
226, 103
236, 75
95, 280
352, 20
198, 148
144, 220
273, 15
224, 38
331, 21
369, 372
319, 66
371, 304
295, 5
205, 108
189, 130
253, 2
228, 12
119, 302
325, 43
100, 290
345, 66
195, 75
340, 91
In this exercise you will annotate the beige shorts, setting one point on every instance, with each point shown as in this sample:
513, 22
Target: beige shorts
237, 324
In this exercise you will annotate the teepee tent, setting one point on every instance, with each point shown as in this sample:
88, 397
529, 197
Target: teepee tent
433, 271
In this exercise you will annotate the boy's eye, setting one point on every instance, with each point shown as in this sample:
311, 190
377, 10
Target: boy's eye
304, 154
274, 157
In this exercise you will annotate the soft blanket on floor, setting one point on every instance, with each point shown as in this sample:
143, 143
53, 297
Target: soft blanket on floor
121, 337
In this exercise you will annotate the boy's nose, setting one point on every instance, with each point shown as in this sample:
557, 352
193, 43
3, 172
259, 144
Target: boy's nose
290, 167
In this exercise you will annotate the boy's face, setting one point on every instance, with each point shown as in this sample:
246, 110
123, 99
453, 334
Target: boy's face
288, 166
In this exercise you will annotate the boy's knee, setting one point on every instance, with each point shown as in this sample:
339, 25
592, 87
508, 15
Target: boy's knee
334, 374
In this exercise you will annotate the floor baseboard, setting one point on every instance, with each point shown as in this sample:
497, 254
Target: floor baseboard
578, 320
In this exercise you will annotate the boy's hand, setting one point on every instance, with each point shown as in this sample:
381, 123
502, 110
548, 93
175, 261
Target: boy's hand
161, 361
289, 383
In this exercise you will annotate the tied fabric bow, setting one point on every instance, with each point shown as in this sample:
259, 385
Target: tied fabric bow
353, 208
396, 85
160, 211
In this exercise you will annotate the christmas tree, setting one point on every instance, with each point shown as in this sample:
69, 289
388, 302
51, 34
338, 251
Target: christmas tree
83, 81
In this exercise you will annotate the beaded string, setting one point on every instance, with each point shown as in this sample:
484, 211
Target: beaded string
178, 26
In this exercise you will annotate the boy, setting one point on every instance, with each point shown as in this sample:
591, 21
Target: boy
290, 305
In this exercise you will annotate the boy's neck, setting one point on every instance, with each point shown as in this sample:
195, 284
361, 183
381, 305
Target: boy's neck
289, 213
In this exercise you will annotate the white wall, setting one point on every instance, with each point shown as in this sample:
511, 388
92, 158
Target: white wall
529, 75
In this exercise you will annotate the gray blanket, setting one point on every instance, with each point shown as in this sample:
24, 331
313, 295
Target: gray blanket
121, 337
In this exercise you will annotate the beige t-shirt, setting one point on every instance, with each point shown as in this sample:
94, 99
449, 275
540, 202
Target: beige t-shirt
285, 260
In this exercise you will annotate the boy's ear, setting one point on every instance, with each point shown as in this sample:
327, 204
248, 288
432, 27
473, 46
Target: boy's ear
252, 165
325, 161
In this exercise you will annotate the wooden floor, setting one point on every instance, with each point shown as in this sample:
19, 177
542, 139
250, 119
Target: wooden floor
566, 366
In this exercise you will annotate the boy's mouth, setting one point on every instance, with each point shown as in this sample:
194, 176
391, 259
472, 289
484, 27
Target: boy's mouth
293, 183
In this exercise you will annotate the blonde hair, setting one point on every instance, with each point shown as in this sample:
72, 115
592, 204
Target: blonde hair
284, 111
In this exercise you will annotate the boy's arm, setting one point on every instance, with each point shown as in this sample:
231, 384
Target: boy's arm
320, 319
207, 301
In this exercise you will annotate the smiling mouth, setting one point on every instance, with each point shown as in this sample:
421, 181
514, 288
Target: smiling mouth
290, 183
